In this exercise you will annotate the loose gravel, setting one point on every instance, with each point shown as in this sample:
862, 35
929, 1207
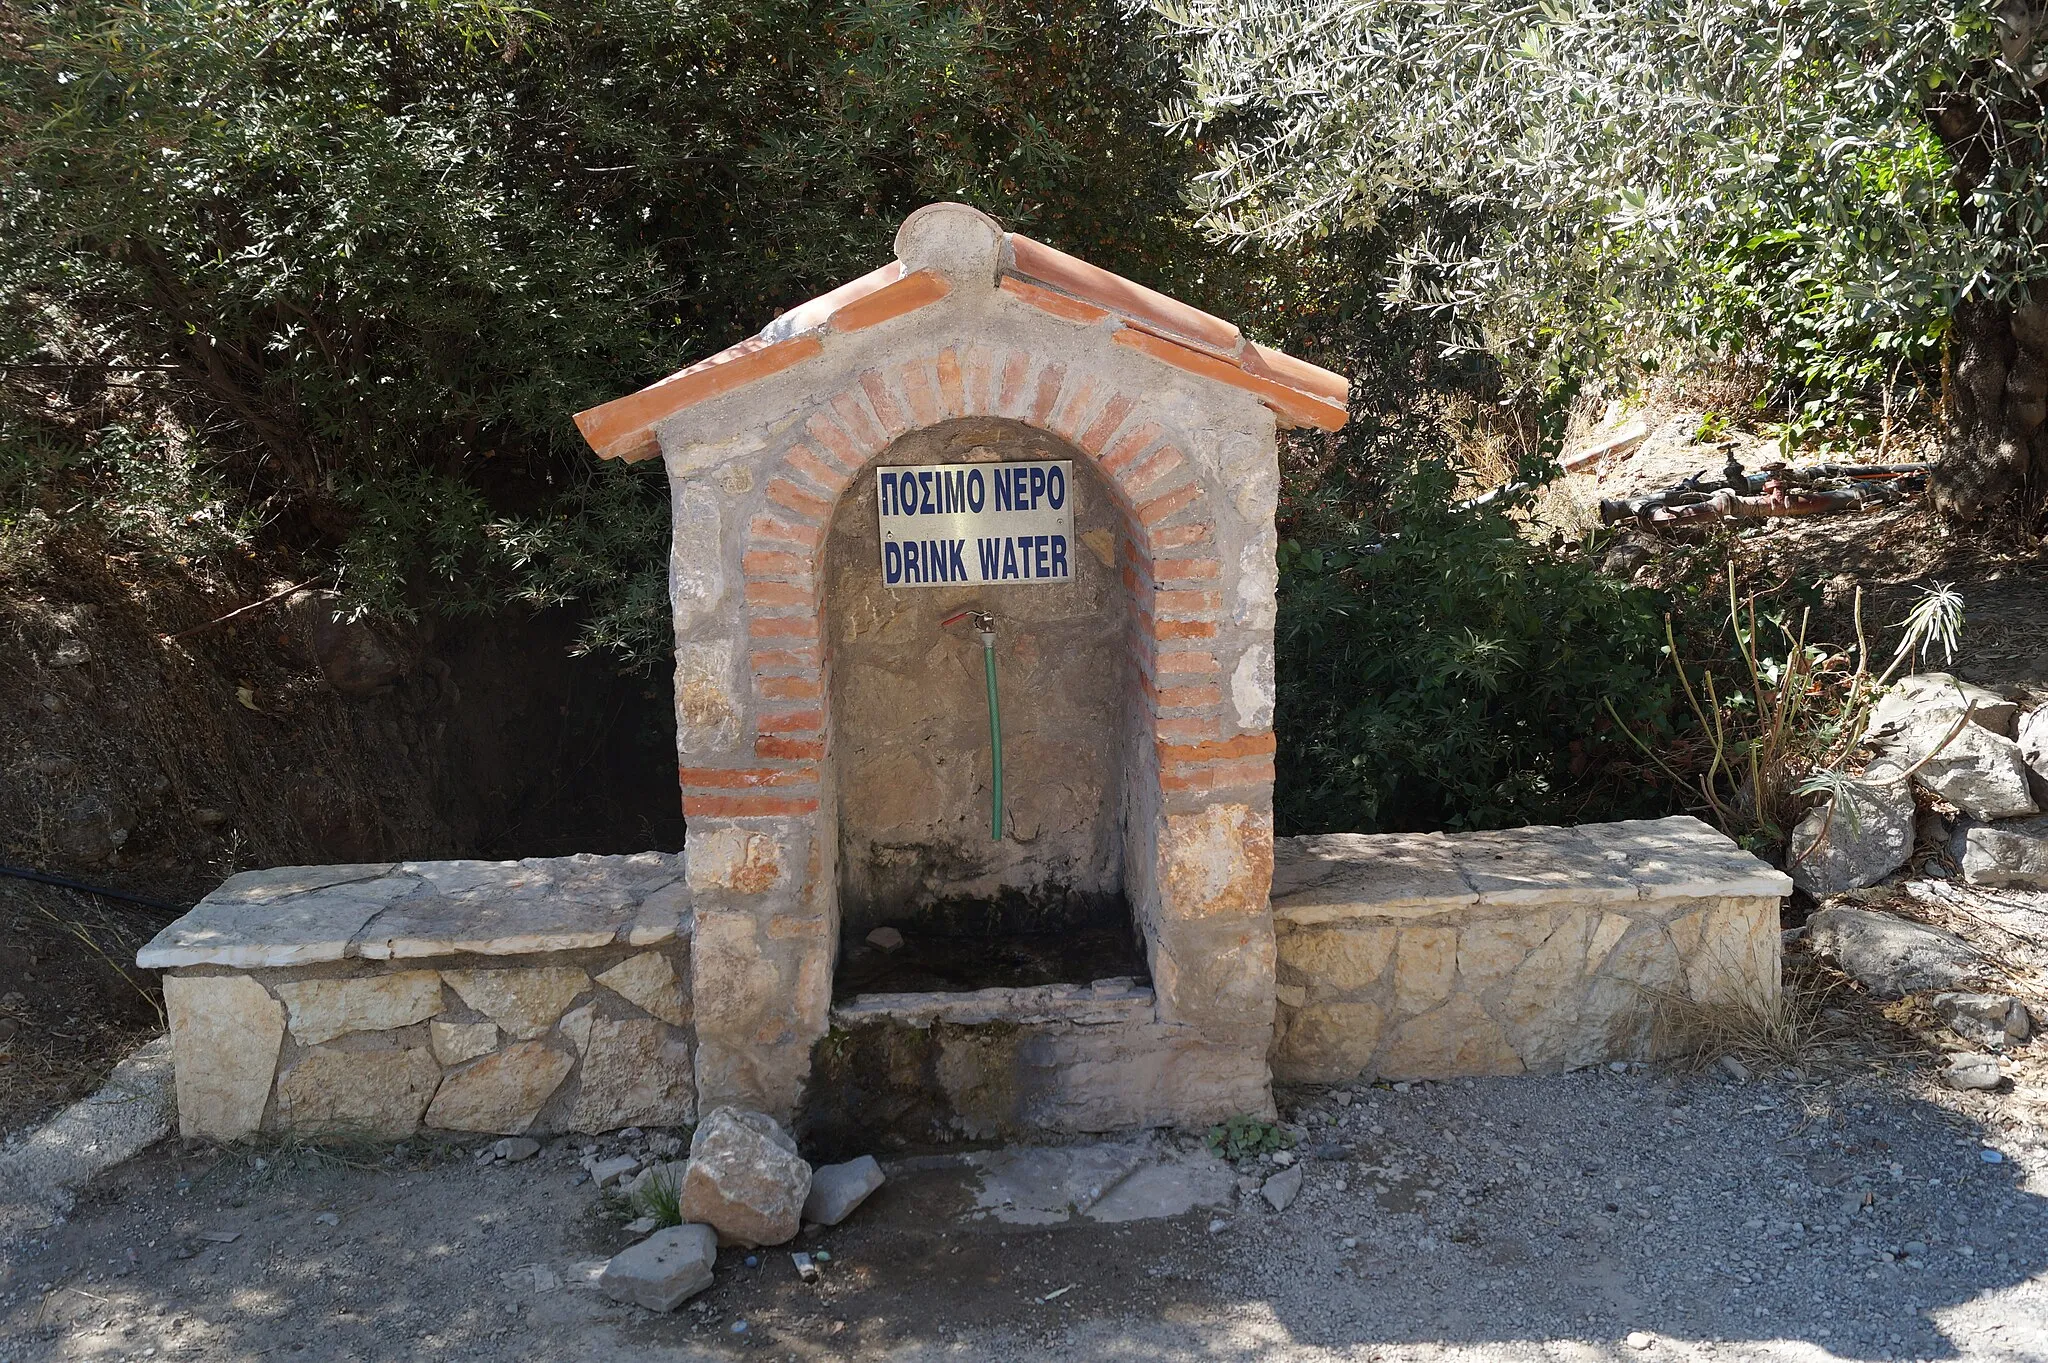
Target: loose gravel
1594, 1215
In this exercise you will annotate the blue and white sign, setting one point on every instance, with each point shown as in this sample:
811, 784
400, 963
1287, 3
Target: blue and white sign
949, 525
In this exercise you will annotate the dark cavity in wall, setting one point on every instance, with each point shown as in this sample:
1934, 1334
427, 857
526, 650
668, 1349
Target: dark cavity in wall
911, 747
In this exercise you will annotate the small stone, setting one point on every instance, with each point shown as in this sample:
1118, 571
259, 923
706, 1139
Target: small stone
1972, 1071
530, 1279
1735, 1069
1993, 1020
1217, 1226
513, 1149
739, 1327
836, 1189
1638, 1340
328, 1219
805, 1269
606, 1171
888, 939
642, 1225
664, 1270
1281, 1189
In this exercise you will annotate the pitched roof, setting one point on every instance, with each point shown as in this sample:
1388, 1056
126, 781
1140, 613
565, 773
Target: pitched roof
1165, 328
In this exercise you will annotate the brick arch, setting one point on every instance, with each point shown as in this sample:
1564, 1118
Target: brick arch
1168, 552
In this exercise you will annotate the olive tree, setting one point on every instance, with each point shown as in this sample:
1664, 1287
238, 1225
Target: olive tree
1848, 187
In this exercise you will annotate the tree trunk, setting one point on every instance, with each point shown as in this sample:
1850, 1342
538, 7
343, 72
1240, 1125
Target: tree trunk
1994, 463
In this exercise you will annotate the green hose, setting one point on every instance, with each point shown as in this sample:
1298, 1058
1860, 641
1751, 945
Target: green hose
995, 735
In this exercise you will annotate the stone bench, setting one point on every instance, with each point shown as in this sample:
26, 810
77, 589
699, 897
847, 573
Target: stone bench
519, 997
1429, 956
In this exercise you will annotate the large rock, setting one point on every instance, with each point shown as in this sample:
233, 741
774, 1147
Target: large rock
634, 1074
1994, 1020
2032, 735
502, 1093
1858, 838
1891, 956
836, 1189
322, 1010
1977, 771
745, 1178
225, 1033
2013, 853
1934, 699
663, 1271
375, 1094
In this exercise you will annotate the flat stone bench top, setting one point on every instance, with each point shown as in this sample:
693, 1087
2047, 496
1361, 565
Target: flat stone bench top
1332, 876
300, 915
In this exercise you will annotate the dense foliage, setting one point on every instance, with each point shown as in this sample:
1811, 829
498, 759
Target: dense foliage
1821, 185
363, 260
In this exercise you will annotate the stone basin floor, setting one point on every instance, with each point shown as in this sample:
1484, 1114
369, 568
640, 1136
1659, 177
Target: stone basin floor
1644, 1214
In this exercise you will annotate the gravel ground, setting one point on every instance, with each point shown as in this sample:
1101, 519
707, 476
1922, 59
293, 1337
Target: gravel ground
1590, 1215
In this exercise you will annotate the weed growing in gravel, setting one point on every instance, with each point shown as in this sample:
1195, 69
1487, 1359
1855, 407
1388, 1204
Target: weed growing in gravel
661, 1198
1246, 1137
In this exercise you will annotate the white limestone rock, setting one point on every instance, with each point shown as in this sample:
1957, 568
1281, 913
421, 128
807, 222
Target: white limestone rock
1857, 838
745, 1178
524, 1002
663, 1271
635, 1073
1977, 771
1990, 1020
649, 981
322, 1010
1282, 1188
1933, 700
836, 1189
457, 1042
375, 1094
1892, 956
225, 1034
503, 1092
2014, 853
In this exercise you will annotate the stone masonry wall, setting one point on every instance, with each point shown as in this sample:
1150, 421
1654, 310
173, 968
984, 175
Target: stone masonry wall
511, 998
1434, 956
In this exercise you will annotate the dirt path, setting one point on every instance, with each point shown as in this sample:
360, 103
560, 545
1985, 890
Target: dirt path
1497, 1219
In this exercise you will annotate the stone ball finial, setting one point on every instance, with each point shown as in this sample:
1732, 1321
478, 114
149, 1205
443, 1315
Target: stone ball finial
956, 240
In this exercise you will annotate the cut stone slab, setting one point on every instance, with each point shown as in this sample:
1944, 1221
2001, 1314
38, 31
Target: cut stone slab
287, 915
502, 1093
380, 1095
2014, 853
1994, 1020
40, 1174
1679, 857
1913, 701
1514, 866
663, 1271
1857, 838
456, 1042
635, 1073
1332, 875
1977, 771
1104, 1002
1282, 1188
523, 1002
745, 1179
321, 1010
649, 982
1892, 956
1973, 1072
836, 1189
522, 908
225, 1034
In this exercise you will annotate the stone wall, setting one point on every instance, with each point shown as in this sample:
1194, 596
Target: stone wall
504, 997
1432, 955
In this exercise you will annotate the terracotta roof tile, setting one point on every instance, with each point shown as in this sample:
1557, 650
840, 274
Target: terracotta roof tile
1050, 280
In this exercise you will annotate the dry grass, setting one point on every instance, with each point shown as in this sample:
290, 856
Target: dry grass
1797, 1028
